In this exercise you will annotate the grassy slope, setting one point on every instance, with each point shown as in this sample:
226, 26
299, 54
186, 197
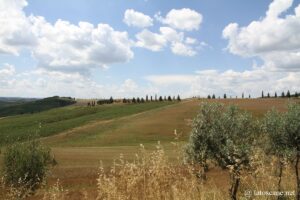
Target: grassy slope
20, 107
149, 127
61, 119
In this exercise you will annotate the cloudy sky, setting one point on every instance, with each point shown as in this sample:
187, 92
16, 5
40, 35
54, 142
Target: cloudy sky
100, 48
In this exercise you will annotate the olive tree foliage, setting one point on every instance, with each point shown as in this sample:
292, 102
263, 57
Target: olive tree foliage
224, 135
283, 131
276, 140
25, 164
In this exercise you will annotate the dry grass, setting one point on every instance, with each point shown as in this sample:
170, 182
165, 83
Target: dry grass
151, 175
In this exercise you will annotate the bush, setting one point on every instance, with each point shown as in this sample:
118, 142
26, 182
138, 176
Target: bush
26, 164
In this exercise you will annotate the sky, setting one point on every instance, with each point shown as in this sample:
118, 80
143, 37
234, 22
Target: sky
130, 48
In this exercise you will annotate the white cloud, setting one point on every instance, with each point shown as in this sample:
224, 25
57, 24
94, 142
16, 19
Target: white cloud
137, 19
78, 48
190, 40
231, 82
181, 49
16, 28
167, 36
275, 39
151, 41
61, 46
182, 19
7, 70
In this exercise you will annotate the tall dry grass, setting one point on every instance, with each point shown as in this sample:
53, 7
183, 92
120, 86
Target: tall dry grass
153, 176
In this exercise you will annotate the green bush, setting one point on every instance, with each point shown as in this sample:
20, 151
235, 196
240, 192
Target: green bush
25, 164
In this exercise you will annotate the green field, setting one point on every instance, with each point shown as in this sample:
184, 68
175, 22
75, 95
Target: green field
58, 120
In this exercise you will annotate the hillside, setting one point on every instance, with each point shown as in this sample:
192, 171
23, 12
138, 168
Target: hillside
9, 107
57, 120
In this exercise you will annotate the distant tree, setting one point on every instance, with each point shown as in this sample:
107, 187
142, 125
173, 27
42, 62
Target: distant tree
282, 94
262, 94
169, 98
288, 95
242, 95
88, 104
111, 100
178, 98
151, 99
174, 98
155, 97
209, 96
138, 100
133, 100
249, 96
268, 95
296, 94
124, 100
275, 95
213, 96
147, 98
160, 98
225, 96
142, 100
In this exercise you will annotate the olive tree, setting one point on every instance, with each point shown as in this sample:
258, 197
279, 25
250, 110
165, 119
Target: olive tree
283, 131
276, 140
224, 135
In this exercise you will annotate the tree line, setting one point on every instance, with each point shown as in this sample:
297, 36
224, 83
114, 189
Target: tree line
134, 100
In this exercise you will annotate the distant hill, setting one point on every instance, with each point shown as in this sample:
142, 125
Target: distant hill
10, 101
16, 106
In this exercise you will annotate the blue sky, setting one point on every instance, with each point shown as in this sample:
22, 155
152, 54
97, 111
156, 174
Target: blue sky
192, 48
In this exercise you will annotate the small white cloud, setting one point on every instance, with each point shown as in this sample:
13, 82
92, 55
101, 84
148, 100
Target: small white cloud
151, 41
182, 19
7, 70
137, 19
181, 49
190, 40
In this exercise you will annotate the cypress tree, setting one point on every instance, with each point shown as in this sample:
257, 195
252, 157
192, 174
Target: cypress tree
288, 95
262, 94
275, 95
225, 96
178, 98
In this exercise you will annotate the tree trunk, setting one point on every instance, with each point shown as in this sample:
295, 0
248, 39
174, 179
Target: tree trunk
297, 175
234, 187
280, 177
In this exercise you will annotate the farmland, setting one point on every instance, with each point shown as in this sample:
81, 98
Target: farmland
81, 136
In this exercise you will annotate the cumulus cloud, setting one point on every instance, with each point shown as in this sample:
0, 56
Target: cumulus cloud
167, 36
275, 39
61, 46
150, 40
137, 19
78, 48
16, 28
182, 19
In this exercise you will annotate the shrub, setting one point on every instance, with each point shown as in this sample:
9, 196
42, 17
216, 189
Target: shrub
26, 164
224, 135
